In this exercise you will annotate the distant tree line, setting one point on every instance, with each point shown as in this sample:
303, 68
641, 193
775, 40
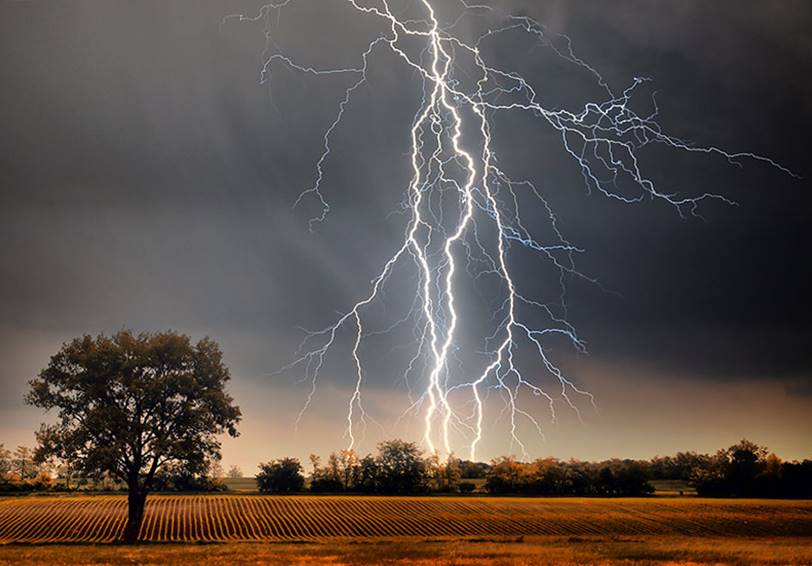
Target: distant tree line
748, 470
550, 476
398, 467
20, 471
743, 470
180, 478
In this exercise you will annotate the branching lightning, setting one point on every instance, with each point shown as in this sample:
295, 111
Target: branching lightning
452, 149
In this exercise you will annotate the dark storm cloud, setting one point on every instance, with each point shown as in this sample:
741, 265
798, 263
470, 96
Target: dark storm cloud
727, 298
147, 177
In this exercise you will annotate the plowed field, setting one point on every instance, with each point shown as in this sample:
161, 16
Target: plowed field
233, 518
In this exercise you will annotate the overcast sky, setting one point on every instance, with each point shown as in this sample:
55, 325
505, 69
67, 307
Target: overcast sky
147, 182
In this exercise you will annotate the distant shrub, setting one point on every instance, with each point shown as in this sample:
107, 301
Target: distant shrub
280, 476
181, 478
326, 485
466, 487
42, 482
473, 470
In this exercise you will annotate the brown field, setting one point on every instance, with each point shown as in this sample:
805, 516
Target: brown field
413, 530
240, 518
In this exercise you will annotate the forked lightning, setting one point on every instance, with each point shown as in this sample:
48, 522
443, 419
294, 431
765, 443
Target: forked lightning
452, 149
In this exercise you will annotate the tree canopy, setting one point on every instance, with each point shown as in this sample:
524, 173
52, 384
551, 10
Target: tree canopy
129, 405
280, 476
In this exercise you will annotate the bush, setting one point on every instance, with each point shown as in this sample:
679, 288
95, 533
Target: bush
466, 487
625, 478
182, 478
42, 482
280, 476
326, 485
473, 470
194, 483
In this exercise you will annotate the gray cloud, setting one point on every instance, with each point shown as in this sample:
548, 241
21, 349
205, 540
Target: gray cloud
147, 180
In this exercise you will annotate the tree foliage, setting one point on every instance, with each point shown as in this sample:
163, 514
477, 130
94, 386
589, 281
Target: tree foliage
401, 468
747, 470
5, 463
550, 476
340, 474
280, 476
681, 466
130, 405
23, 464
398, 467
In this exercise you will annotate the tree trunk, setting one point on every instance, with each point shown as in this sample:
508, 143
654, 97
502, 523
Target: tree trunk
136, 499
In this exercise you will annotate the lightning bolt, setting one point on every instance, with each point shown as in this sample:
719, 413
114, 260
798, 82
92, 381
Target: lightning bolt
452, 149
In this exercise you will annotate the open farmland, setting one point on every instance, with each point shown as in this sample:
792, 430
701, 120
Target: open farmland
252, 518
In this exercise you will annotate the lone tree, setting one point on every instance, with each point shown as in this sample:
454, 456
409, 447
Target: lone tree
129, 405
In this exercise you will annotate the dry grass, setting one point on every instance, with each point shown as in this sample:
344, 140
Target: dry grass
628, 551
